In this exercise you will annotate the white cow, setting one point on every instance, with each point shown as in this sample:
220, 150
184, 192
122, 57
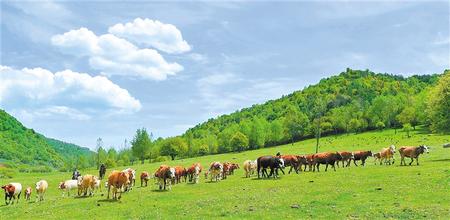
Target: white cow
250, 167
12, 191
67, 186
41, 188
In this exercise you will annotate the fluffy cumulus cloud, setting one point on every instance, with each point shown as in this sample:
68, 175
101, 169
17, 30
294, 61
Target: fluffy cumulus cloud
164, 37
77, 95
115, 56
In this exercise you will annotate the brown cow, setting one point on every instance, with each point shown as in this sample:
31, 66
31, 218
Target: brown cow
362, 156
387, 154
412, 152
233, 167
118, 180
309, 161
180, 172
328, 158
12, 191
216, 171
291, 161
346, 157
86, 184
226, 169
194, 171
165, 176
144, 178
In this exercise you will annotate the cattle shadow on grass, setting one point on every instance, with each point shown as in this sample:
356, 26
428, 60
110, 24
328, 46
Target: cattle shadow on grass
160, 191
441, 160
108, 200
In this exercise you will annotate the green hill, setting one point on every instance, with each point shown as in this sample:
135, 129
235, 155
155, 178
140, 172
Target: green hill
351, 102
20, 146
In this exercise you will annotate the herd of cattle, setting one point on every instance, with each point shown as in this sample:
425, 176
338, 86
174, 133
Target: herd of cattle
123, 181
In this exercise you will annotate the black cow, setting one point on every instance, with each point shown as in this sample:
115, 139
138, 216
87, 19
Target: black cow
274, 163
102, 171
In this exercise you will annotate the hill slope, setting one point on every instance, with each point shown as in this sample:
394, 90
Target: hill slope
353, 101
20, 145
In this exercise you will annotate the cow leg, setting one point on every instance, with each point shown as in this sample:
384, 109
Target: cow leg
334, 167
417, 160
326, 167
363, 162
412, 160
354, 161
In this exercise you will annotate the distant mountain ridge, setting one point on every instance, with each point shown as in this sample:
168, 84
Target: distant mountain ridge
23, 146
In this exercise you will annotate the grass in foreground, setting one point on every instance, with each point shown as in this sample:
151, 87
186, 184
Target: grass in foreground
370, 192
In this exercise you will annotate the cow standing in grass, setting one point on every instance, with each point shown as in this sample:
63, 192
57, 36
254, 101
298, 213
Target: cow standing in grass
194, 171
41, 188
165, 175
309, 162
28, 193
412, 152
387, 154
216, 171
327, 158
117, 180
132, 177
274, 163
180, 174
250, 167
291, 161
144, 178
377, 157
362, 156
67, 186
347, 158
12, 191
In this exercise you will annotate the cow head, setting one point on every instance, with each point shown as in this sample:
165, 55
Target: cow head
302, 159
280, 162
370, 153
424, 149
172, 173
392, 148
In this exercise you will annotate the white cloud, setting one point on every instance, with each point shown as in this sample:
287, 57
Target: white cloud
68, 93
153, 33
115, 56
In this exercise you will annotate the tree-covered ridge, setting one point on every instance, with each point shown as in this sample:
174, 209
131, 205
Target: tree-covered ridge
353, 101
22, 146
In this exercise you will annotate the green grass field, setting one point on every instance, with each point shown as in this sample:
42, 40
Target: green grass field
370, 192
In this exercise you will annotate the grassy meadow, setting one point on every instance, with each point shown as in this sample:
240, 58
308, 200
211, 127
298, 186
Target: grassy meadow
370, 192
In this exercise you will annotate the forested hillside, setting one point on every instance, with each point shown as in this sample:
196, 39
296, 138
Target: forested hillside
20, 147
353, 101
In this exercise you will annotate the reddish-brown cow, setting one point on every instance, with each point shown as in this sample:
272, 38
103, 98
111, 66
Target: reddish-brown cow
412, 152
328, 158
362, 156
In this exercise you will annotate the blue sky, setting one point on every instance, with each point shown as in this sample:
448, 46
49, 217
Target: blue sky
81, 70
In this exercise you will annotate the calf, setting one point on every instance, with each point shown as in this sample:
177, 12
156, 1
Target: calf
346, 157
233, 167
117, 180
132, 177
180, 173
362, 156
249, 167
28, 193
12, 191
327, 158
67, 186
377, 157
41, 188
274, 163
387, 154
144, 178
226, 169
412, 152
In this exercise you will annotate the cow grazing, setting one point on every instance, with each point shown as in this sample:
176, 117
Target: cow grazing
180, 174
216, 171
250, 167
412, 152
387, 154
377, 157
274, 163
86, 185
132, 176
12, 191
67, 186
144, 178
362, 156
291, 161
347, 157
102, 171
233, 167
165, 176
28, 193
117, 180
328, 158
226, 169
194, 171
41, 188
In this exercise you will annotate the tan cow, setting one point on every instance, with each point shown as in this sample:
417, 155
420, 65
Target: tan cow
86, 185
41, 188
117, 180
165, 175
387, 154
377, 157
412, 152
250, 167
